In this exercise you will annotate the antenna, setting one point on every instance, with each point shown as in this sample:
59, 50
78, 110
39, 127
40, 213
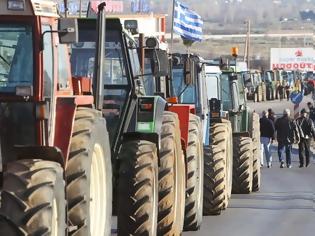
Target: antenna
247, 45
65, 3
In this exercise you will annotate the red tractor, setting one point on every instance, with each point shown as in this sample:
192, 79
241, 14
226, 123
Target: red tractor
55, 153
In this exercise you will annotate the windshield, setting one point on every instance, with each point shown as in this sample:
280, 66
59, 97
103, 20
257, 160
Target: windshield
185, 93
241, 91
212, 84
16, 56
116, 82
226, 92
269, 76
148, 79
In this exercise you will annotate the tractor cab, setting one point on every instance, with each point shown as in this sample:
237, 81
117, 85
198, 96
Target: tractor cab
53, 142
156, 68
119, 64
187, 73
189, 86
34, 72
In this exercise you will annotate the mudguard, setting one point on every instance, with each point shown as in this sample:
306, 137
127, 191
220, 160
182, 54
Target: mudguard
46, 153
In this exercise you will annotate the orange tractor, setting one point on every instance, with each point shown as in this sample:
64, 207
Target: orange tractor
55, 154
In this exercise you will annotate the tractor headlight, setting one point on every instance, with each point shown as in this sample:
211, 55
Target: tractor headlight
16, 5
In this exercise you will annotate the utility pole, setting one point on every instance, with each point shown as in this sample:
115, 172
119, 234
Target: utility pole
66, 8
247, 45
80, 9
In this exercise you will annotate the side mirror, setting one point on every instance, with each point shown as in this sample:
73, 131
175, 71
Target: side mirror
68, 30
241, 107
131, 26
189, 72
160, 63
232, 77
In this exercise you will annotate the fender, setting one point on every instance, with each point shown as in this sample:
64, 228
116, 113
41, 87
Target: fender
250, 121
241, 134
150, 121
64, 120
151, 137
40, 152
183, 111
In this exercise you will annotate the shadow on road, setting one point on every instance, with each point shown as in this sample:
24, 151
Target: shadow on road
275, 201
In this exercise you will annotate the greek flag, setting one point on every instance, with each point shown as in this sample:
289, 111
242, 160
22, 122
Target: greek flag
187, 23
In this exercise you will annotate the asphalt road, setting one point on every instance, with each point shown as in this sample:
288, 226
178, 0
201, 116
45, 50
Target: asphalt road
285, 205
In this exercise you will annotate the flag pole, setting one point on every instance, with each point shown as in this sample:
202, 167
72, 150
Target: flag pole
172, 29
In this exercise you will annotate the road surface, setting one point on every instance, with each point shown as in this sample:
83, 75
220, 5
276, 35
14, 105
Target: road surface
285, 206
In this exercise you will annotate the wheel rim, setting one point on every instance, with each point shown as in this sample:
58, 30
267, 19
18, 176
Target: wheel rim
54, 219
200, 183
155, 203
179, 207
230, 167
98, 204
176, 180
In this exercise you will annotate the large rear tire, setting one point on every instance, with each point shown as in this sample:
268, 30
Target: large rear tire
138, 189
215, 170
33, 199
255, 133
89, 175
242, 165
172, 176
194, 186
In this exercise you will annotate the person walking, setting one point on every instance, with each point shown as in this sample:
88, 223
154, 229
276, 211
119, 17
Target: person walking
307, 132
271, 115
267, 131
287, 91
281, 91
311, 111
286, 135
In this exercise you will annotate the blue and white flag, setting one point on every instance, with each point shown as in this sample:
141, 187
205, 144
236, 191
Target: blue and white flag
187, 23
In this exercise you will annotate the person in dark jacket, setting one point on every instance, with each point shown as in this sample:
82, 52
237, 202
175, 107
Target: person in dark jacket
287, 91
311, 111
267, 131
281, 91
284, 127
271, 115
307, 132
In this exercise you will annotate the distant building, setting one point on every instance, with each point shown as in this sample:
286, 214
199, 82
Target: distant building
140, 6
112, 6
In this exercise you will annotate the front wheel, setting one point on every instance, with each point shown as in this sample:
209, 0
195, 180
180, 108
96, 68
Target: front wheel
242, 165
216, 174
137, 210
194, 186
255, 133
33, 199
172, 175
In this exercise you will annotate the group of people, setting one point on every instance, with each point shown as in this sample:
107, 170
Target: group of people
287, 132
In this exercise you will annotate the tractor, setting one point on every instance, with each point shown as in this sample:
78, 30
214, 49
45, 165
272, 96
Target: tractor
191, 87
245, 127
269, 81
56, 173
254, 85
191, 136
148, 163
